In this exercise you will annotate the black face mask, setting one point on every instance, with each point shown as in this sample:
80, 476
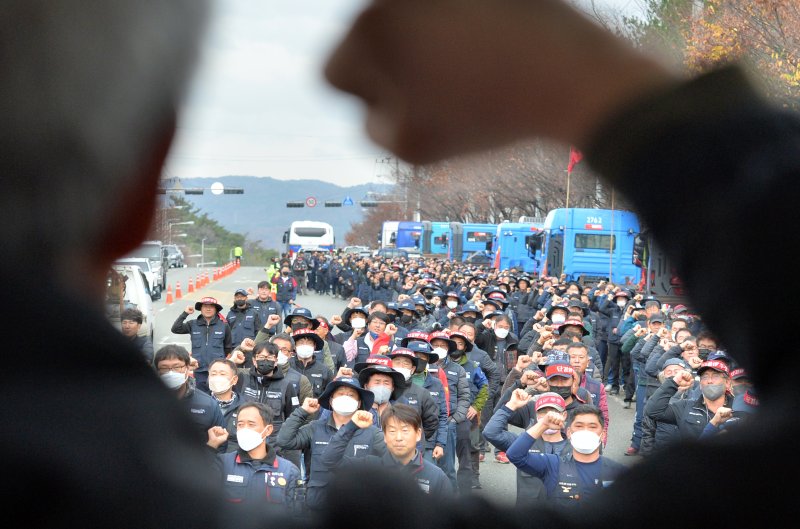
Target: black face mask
284, 273
470, 319
428, 295
265, 367
298, 326
422, 365
564, 392
240, 302
406, 318
703, 353
455, 355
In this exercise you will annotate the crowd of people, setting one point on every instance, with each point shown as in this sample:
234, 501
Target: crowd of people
425, 373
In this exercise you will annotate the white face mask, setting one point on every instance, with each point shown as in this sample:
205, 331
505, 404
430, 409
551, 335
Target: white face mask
173, 379
404, 371
382, 394
282, 359
219, 384
584, 441
358, 323
344, 405
249, 439
621, 303
441, 352
452, 304
558, 319
305, 351
501, 333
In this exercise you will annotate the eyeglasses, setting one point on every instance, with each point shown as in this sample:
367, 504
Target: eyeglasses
265, 357
177, 369
711, 376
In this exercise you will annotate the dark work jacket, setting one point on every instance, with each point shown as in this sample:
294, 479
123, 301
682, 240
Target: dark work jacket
210, 340
421, 400
244, 323
286, 288
277, 392
265, 309
271, 480
316, 372
529, 488
690, 416
299, 434
430, 478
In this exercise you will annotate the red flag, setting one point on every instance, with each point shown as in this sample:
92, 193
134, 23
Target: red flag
575, 156
496, 264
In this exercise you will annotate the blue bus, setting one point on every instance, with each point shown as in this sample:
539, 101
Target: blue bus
589, 245
435, 237
466, 238
515, 245
401, 234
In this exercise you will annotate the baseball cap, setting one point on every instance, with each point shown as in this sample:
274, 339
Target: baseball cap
657, 317
680, 309
716, 365
746, 402
739, 373
676, 362
240, 291
559, 370
550, 400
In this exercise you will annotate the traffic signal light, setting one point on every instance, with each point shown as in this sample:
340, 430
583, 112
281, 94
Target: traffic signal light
332, 204
193, 191
368, 204
233, 191
300, 204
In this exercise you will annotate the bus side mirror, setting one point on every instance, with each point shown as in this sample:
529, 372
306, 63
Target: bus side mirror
285, 237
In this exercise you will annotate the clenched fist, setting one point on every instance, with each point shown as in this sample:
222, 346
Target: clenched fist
311, 405
362, 419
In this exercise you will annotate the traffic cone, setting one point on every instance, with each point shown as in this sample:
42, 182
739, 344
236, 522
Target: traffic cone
169, 295
199, 282
178, 294
206, 281
191, 287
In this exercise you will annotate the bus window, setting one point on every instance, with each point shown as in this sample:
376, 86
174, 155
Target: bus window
441, 240
479, 236
307, 231
594, 241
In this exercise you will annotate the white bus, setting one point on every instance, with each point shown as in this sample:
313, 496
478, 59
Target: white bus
309, 235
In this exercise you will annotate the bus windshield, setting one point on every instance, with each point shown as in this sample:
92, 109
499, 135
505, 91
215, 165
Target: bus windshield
594, 241
307, 231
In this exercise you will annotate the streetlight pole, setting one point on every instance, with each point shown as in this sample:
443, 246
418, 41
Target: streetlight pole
171, 224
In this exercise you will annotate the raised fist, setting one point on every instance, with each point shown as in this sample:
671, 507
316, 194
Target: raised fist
311, 405
523, 361
272, 321
247, 345
344, 372
362, 419
336, 320
189, 309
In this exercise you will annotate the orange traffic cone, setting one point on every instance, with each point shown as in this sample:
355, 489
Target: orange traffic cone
169, 294
205, 278
178, 294
198, 282
191, 288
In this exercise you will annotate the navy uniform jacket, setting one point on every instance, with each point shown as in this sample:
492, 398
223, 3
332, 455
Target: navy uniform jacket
430, 478
210, 340
272, 480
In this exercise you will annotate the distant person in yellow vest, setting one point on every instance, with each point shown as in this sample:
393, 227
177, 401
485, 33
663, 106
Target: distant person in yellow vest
274, 269
237, 254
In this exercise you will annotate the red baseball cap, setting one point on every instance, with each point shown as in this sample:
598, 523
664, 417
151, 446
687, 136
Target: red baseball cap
551, 400
716, 365
559, 370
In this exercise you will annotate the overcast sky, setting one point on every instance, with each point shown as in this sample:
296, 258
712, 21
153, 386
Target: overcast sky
259, 106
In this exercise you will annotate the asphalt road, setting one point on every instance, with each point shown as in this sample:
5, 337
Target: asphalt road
498, 480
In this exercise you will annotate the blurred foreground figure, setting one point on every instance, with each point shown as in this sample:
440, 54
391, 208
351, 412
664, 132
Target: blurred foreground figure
91, 436
447, 77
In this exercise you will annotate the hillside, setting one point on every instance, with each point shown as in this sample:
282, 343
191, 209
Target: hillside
260, 213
